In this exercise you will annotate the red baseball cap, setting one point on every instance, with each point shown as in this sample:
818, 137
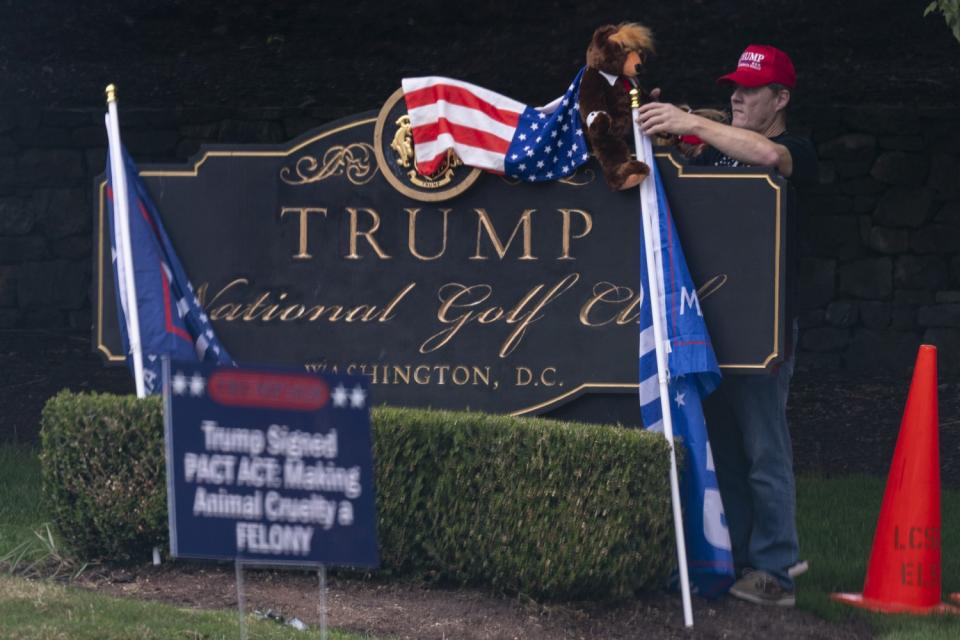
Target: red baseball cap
761, 64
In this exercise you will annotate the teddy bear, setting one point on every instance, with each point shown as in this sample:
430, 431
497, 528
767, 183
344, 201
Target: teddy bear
615, 58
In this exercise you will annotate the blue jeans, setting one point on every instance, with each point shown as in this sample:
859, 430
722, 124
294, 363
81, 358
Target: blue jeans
747, 425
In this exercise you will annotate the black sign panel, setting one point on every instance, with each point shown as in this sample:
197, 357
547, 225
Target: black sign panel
464, 289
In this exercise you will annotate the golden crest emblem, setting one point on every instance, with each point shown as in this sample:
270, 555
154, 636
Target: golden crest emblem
394, 148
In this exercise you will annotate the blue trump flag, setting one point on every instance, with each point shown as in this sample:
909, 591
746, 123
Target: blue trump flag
693, 374
171, 320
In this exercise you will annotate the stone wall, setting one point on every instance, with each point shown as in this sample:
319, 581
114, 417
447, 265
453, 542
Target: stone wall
881, 252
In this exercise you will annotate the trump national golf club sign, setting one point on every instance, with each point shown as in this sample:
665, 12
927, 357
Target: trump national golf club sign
459, 290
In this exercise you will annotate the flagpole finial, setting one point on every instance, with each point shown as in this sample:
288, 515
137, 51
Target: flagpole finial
111, 92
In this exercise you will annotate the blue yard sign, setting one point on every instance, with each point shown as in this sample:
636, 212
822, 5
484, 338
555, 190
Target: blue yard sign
269, 466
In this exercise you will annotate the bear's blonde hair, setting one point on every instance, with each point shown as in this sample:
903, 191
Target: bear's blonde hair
632, 36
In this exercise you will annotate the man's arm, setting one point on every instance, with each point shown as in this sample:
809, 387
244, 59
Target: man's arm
740, 144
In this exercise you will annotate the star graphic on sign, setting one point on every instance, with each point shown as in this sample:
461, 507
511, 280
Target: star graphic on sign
339, 396
197, 384
179, 383
358, 397
679, 399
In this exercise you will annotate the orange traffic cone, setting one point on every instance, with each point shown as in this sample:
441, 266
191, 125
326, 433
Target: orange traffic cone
904, 571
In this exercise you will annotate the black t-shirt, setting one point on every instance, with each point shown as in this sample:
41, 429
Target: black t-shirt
804, 173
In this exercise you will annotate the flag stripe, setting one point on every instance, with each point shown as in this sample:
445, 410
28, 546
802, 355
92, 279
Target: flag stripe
431, 88
426, 115
470, 155
462, 133
649, 390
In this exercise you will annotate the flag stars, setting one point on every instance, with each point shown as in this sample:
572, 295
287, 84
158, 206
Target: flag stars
514, 156
534, 126
179, 383
548, 149
340, 396
522, 136
529, 154
679, 399
565, 128
197, 385
358, 397
540, 164
541, 115
549, 175
522, 167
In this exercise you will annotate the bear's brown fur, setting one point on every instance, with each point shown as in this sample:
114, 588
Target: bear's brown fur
619, 51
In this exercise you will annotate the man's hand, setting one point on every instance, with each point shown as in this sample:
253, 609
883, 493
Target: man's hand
664, 118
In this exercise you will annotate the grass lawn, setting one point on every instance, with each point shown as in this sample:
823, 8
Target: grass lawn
33, 609
836, 517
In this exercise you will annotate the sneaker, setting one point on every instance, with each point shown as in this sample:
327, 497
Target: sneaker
798, 569
760, 587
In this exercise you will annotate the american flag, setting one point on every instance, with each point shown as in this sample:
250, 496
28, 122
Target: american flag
171, 321
493, 132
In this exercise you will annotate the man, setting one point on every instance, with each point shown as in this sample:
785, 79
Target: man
746, 416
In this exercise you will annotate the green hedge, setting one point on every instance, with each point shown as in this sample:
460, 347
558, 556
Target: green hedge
523, 505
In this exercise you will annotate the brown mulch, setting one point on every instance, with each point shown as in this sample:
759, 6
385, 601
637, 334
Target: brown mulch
408, 610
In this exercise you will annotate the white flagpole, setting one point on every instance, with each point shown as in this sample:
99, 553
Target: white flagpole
648, 200
122, 224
